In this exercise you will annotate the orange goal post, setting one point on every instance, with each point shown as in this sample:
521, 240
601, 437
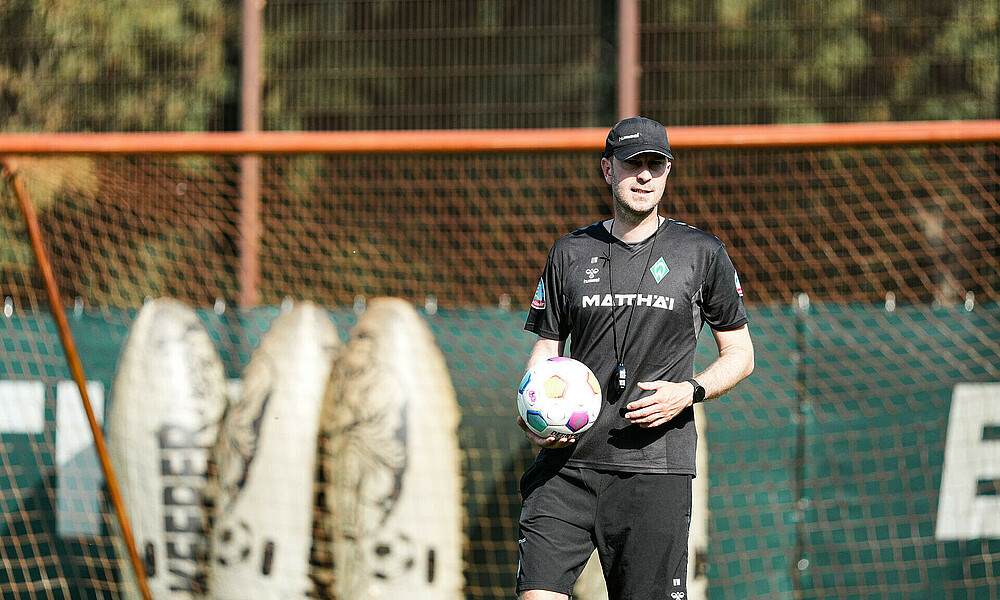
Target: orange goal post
497, 140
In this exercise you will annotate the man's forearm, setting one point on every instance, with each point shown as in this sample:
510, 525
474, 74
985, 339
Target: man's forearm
735, 363
543, 350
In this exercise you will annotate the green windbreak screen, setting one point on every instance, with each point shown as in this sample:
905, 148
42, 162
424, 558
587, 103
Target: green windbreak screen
826, 464
828, 467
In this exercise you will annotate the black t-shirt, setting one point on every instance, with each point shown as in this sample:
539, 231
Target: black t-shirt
687, 280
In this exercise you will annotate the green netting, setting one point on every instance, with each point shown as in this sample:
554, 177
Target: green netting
824, 466
826, 463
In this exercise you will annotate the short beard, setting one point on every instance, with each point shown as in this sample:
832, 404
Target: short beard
625, 213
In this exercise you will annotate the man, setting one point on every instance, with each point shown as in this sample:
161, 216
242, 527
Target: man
631, 294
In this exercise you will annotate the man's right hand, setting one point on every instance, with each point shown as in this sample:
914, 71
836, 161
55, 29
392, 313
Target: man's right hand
552, 441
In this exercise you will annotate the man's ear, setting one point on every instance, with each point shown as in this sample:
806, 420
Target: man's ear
670, 163
606, 168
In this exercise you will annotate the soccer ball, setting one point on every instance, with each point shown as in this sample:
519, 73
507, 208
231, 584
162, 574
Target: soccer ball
559, 396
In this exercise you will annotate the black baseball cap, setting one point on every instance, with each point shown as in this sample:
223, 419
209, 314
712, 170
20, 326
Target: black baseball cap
636, 135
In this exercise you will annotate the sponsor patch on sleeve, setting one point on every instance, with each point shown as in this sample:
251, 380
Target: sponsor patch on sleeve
739, 288
539, 300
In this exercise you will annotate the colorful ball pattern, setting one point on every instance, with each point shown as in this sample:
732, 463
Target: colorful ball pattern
559, 396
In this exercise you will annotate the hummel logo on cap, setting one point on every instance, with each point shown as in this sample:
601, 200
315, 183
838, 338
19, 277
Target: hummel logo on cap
636, 135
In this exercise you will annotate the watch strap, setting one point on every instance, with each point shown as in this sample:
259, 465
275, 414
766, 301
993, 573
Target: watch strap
699, 391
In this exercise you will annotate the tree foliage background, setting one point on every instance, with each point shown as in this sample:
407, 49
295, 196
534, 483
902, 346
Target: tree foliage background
112, 65
126, 65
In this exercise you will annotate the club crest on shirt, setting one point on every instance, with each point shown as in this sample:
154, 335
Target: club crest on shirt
539, 300
659, 270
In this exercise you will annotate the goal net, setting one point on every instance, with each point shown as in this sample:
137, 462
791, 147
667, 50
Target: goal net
860, 460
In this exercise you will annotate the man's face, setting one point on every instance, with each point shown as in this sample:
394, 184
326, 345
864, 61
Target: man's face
637, 183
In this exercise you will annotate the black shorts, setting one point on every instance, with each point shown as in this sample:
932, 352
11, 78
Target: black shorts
638, 522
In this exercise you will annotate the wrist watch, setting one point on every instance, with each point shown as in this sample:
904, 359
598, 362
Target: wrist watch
699, 392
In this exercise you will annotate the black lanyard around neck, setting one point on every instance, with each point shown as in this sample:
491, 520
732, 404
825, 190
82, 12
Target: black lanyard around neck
620, 356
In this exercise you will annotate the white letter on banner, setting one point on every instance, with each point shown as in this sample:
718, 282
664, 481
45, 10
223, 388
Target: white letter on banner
22, 409
79, 478
969, 500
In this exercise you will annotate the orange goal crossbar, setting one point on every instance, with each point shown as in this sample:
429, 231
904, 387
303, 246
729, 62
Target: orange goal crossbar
496, 140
